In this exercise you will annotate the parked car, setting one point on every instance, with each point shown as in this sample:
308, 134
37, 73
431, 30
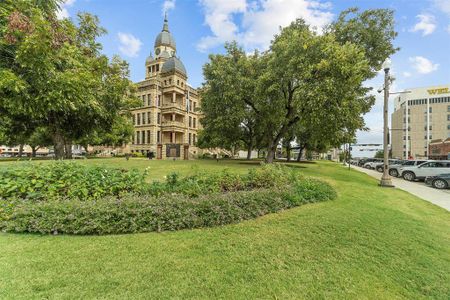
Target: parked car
429, 168
396, 169
439, 182
380, 166
371, 164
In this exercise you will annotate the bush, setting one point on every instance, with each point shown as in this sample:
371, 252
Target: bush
67, 180
75, 199
134, 213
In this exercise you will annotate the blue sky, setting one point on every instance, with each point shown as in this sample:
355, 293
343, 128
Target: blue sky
201, 27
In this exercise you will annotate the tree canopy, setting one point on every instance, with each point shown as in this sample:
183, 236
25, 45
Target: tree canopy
54, 74
307, 86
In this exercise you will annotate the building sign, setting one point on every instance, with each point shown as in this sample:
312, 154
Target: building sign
439, 91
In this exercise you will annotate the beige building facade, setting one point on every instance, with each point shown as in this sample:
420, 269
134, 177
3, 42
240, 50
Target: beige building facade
167, 122
420, 116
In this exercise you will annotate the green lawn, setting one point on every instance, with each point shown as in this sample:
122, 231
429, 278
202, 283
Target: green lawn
370, 243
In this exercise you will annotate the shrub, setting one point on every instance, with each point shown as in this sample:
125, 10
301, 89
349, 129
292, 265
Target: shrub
67, 180
134, 213
75, 199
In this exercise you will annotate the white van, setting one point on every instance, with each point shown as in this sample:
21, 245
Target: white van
429, 168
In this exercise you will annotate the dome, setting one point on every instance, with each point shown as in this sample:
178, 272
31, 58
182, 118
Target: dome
165, 38
165, 54
172, 65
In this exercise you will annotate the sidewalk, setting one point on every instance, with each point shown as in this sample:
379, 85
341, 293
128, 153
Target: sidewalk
438, 197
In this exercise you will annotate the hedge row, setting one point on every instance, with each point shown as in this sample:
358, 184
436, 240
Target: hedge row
137, 213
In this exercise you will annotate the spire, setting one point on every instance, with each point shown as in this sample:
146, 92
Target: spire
166, 23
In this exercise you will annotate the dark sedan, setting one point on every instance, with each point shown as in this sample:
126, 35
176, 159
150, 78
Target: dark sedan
439, 182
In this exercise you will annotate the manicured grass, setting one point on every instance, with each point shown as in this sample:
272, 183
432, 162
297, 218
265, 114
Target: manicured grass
370, 243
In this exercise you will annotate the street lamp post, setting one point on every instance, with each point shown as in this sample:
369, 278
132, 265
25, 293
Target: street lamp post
386, 178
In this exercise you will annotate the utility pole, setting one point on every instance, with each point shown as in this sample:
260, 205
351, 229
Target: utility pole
386, 178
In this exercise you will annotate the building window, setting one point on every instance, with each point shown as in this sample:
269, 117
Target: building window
143, 137
138, 135
448, 108
134, 139
148, 137
158, 137
143, 100
149, 99
143, 118
189, 138
159, 118
157, 68
448, 126
159, 100
148, 117
170, 80
134, 119
138, 119
190, 105
195, 125
195, 106
165, 82
190, 121
178, 82
448, 117
194, 137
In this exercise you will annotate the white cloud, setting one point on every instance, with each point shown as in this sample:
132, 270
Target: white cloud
407, 74
129, 44
443, 5
168, 5
426, 24
63, 13
423, 65
260, 20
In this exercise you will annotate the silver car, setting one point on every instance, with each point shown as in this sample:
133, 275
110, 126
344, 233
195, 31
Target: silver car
429, 168
396, 169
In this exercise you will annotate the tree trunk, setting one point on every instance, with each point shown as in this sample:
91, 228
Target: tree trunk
288, 153
20, 150
249, 150
34, 151
68, 148
300, 153
58, 142
86, 148
270, 152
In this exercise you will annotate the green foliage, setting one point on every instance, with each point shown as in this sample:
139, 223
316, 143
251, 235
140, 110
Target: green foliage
305, 79
67, 180
146, 213
64, 198
54, 75
379, 154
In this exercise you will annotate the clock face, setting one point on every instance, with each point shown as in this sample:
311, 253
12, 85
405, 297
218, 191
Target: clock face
157, 51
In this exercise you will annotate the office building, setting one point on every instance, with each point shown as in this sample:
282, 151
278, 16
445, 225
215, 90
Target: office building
420, 116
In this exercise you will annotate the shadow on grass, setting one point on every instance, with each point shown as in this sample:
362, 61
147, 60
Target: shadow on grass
291, 164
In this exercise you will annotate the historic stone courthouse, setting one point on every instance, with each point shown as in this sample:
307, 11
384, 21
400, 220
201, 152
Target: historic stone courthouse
168, 121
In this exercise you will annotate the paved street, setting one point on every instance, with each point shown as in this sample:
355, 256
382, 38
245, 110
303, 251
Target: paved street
419, 189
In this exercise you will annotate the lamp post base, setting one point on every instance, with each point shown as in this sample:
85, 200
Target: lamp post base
386, 182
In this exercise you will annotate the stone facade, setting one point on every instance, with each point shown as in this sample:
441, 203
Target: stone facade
167, 123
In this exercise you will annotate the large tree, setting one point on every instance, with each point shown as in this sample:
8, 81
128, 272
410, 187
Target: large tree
56, 75
231, 83
316, 80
